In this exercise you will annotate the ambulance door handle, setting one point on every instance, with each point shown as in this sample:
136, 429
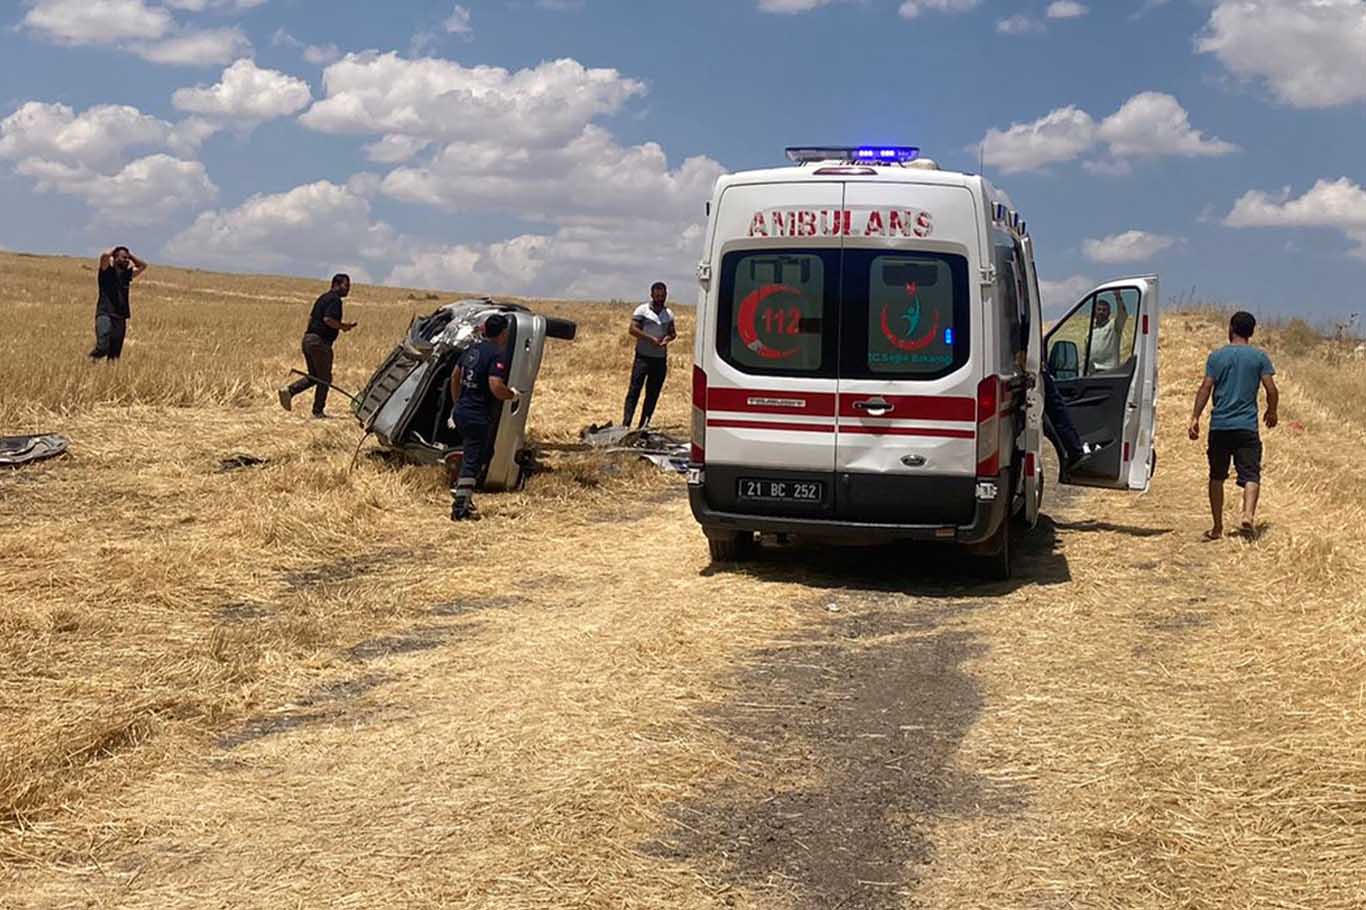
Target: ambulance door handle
876, 407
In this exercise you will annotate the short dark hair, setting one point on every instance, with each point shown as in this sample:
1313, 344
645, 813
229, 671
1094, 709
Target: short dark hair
658, 286
1242, 324
495, 325
340, 278
115, 251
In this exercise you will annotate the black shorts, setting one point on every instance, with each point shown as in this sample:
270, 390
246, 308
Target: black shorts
1243, 447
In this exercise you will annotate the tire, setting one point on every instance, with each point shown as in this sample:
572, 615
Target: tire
994, 560
732, 547
563, 329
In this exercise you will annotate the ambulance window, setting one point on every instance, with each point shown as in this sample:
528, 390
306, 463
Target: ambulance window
917, 318
773, 310
1097, 337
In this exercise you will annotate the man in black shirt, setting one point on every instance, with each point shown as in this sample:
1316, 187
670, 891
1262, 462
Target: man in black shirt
479, 385
118, 268
324, 322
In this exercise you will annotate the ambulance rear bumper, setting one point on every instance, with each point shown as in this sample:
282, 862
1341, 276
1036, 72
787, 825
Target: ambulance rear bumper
987, 517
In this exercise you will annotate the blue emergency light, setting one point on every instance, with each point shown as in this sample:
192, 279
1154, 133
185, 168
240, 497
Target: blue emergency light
853, 154
948, 337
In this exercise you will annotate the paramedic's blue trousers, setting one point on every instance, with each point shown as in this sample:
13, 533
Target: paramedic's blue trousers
474, 435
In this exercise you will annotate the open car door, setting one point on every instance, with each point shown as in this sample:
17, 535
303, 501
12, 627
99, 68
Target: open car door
1102, 359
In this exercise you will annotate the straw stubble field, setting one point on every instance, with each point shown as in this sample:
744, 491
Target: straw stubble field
298, 685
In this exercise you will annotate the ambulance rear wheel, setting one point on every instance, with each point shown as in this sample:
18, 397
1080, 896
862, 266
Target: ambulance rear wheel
994, 558
731, 547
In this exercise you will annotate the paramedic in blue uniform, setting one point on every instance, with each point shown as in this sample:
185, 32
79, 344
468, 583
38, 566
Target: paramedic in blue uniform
479, 386
652, 326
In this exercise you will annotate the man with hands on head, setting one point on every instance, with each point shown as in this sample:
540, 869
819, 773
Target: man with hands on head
118, 268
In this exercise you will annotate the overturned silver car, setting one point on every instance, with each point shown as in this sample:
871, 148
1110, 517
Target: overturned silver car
407, 402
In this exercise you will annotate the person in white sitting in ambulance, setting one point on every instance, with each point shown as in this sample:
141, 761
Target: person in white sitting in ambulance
1107, 335
652, 326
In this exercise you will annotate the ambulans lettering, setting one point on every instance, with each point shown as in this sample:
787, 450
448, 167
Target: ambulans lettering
842, 223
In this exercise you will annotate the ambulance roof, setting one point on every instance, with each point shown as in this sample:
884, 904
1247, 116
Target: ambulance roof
823, 172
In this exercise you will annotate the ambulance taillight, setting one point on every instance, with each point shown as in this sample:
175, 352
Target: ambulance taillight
989, 427
699, 416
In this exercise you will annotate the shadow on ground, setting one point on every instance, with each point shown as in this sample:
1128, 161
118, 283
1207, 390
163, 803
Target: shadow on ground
920, 569
846, 739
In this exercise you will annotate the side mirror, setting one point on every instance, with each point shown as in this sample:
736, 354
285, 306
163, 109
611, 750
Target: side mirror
1063, 361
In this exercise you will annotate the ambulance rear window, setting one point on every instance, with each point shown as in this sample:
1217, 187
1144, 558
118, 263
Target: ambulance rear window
916, 321
775, 312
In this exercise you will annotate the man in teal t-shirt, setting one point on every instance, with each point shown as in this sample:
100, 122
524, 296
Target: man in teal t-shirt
1234, 373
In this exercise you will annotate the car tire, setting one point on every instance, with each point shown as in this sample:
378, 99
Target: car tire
733, 547
563, 329
994, 560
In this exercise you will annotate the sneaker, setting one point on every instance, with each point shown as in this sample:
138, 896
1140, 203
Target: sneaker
286, 399
321, 416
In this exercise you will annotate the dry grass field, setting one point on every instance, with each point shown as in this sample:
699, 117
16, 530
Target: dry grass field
299, 685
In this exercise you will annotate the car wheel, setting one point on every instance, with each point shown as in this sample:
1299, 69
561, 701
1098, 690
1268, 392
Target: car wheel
732, 547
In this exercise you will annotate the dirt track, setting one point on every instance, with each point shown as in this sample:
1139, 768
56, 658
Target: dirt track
1132, 723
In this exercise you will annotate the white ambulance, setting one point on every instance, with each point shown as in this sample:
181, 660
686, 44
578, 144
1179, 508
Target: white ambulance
867, 365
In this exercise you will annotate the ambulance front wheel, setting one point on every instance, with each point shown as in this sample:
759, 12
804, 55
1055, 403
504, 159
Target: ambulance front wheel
730, 546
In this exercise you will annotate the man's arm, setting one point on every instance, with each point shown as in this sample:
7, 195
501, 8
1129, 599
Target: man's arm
1201, 399
106, 259
138, 265
500, 389
673, 332
1273, 399
637, 330
338, 324
457, 377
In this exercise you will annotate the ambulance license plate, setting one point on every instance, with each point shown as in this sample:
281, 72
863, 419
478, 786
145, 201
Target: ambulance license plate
781, 490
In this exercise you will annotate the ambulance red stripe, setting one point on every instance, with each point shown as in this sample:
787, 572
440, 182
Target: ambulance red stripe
853, 429
913, 407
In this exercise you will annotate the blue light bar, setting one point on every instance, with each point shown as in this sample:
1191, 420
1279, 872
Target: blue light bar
853, 154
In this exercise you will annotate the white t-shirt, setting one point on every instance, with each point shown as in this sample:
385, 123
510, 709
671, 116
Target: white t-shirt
1106, 341
656, 325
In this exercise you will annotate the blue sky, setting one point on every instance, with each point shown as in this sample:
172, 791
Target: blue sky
567, 148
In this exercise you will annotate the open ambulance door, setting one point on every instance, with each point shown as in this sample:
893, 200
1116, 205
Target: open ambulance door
1102, 362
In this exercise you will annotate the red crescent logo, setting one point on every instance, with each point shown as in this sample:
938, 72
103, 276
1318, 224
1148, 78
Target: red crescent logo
749, 332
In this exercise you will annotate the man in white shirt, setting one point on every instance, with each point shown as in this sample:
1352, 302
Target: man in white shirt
652, 326
1107, 335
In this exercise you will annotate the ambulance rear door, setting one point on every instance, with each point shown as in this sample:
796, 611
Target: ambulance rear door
907, 451
771, 356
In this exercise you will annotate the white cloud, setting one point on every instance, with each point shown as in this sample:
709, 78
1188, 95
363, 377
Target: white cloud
576, 261
151, 32
209, 47
459, 21
439, 99
1148, 125
145, 191
395, 149
316, 54
246, 92
97, 21
1059, 296
1019, 24
913, 8
1339, 204
1066, 9
199, 6
308, 229
1151, 124
591, 177
1062, 135
97, 137
1310, 53
1130, 246
788, 6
